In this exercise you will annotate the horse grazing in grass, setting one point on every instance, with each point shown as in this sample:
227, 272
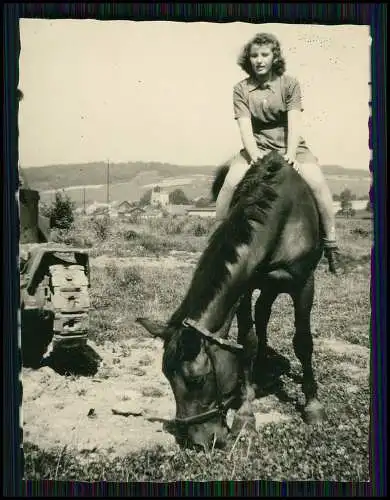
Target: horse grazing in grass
271, 241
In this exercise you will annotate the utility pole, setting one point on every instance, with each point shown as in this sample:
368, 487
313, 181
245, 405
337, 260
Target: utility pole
84, 199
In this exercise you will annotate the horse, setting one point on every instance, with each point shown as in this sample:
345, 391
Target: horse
271, 241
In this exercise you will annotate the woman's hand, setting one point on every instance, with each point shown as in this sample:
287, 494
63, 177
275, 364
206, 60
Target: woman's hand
290, 159
257, 157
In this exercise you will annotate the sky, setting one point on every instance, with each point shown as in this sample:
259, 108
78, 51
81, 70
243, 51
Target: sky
162, 91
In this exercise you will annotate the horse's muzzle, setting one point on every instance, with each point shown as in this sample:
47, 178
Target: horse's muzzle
208, 436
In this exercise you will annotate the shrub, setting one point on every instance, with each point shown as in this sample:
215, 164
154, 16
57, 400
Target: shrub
198, 226
130, 235
347, 212
101, 227
200, 230
178, 197
358, 231
60, 212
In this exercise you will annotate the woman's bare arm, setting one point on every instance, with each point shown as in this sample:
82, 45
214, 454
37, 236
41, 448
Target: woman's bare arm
294, 132
248, 139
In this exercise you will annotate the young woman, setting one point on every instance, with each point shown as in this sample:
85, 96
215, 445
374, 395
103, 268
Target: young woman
267, 106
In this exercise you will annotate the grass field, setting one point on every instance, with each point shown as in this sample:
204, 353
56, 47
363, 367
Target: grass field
144, 269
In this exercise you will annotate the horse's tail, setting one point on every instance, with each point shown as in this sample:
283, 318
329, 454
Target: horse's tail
219, 179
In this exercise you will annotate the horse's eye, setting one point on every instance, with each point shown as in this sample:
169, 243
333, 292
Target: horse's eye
197, 381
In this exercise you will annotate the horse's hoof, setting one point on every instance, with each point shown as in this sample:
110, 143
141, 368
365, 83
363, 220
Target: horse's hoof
314, 412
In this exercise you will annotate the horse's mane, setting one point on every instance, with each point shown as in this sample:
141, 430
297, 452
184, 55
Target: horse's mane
252, 200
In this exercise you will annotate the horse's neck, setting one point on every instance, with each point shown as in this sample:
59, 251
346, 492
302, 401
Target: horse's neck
219, 313
218, 316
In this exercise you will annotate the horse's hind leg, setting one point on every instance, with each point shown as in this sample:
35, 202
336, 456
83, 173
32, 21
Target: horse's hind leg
303, 347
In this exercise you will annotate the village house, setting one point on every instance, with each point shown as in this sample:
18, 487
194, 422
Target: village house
124, 207
159, 198
202, 211
133, 214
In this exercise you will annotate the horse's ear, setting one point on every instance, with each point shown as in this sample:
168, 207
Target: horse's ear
190, 344
154, 327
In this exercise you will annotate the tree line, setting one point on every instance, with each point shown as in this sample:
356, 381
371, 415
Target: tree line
346, 197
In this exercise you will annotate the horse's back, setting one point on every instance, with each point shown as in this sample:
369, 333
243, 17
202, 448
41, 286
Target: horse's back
299, 245
287, 223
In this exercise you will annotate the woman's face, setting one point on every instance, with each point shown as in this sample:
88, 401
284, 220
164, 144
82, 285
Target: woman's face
261, 58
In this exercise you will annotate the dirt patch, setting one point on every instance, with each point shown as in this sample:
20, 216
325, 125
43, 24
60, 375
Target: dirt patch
125, 407
273, 417
118, 411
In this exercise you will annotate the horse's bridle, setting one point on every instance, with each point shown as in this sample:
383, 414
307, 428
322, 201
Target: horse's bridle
222, 405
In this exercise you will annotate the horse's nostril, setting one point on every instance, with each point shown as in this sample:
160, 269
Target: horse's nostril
199, 447
218, 442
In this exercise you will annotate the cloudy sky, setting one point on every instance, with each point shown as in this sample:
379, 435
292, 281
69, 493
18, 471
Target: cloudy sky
162, 91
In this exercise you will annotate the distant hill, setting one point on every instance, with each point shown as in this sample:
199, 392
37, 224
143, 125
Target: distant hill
128, 181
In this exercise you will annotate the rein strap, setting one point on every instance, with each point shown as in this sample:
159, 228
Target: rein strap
222, 342
222, 406
207, 415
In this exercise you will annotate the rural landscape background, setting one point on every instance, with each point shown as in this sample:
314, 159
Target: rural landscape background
105, 182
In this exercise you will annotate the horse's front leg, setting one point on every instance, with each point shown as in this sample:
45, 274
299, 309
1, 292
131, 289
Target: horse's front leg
303, 347
270, 365
246, 337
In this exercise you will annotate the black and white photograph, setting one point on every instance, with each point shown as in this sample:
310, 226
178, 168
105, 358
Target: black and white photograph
195, 250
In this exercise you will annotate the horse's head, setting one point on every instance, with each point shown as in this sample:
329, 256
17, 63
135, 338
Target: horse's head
204, 374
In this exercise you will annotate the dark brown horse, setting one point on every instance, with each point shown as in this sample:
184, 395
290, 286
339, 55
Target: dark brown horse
271, 241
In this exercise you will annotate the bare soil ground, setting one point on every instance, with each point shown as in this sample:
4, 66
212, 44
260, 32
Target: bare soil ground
112, 411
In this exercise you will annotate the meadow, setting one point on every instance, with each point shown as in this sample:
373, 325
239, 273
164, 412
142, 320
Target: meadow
143, 268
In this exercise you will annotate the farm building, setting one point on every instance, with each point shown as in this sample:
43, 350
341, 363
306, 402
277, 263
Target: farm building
124, 207
134, 214
159, 198
137, 211
202, 211
146, 212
